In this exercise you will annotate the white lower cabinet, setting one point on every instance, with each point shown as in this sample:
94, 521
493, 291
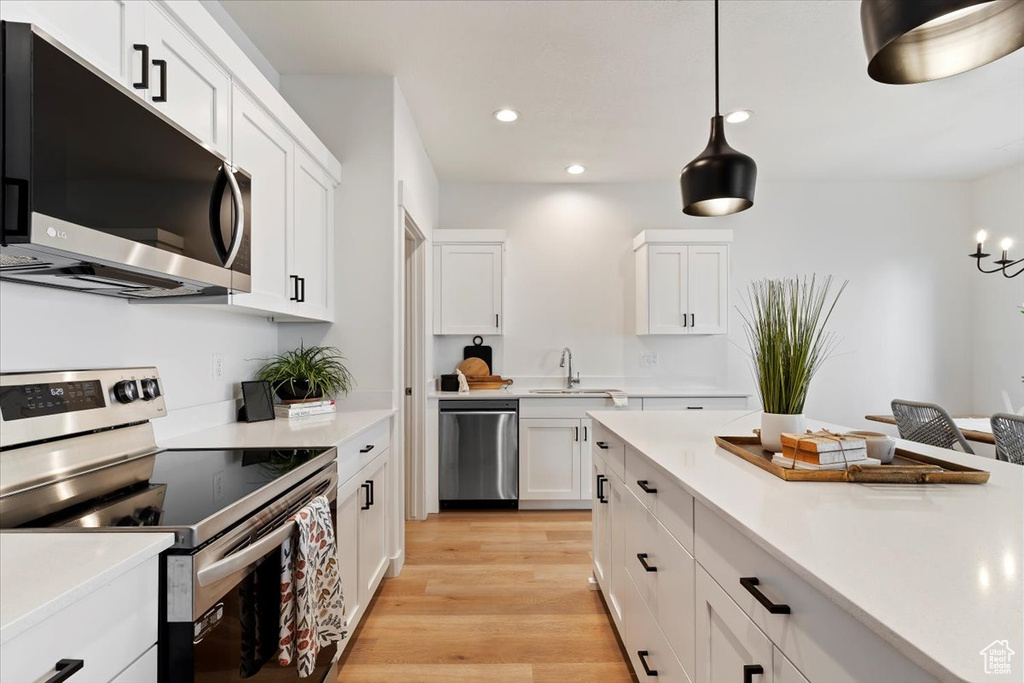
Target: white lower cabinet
142, 670
729, 646
349, 501
620, 581
549, 459
108, 630
649, 650
373, 528
600, 518
783, 670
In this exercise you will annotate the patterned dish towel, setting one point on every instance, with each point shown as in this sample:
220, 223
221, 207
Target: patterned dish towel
311, 601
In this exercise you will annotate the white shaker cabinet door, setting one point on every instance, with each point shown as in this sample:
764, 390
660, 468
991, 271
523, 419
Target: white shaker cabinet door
617, 494
708, 288
469, 289
549, 459
667, 289
313, 234
186, 84
601, 529
264, 150
102, 32
373, 531
349, 500
730, 647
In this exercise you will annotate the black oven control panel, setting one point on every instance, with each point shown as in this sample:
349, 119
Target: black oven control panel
21, 401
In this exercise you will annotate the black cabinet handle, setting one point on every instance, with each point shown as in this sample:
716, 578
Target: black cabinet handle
693, 320
643, 560
643, 655
369, 499
577, 433
144, 83
602, 445
496, 320
370, 482
162, 65
585, 437
695, 407
295, 288
642, 483
685, 318
65, 669
749, 670
751, 583
301, 297
601, 479
366, 449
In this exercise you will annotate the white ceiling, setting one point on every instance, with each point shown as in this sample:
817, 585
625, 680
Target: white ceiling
626, 88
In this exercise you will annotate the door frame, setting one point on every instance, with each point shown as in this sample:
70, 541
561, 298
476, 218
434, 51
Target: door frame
414, 408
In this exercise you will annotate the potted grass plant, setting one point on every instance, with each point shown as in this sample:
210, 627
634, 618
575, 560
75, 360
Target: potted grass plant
785, 322
308, 373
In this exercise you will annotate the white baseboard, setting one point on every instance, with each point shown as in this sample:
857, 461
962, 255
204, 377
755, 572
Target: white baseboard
555, 505
396, 564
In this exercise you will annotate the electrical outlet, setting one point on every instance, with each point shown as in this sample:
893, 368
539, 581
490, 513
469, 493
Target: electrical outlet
218, 486
218, 366
648, 360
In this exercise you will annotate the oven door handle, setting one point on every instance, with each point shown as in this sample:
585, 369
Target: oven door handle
234, 562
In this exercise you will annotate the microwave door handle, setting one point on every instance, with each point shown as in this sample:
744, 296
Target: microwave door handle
238, 231
234, 562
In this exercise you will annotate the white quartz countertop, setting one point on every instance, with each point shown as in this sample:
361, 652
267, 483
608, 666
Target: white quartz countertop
636, 392
936, 570
42, 573
305, 432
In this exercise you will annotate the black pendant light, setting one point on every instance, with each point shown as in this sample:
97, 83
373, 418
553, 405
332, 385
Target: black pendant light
922, 40
720, 180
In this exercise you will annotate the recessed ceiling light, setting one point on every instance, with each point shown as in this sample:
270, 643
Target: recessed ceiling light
575, 169
506, 115
738, 116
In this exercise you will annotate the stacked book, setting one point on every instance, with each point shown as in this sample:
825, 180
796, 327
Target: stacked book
822, 450
305, 409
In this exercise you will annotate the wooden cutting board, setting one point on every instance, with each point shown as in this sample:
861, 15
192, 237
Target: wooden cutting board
488, 382
474, 367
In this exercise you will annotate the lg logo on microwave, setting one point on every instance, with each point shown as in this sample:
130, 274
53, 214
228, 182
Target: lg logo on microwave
54, 232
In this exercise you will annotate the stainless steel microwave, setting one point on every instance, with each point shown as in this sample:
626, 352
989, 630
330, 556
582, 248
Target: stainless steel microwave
104, 194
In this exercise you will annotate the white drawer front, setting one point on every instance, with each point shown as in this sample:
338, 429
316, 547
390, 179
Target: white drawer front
697, 403
609, 448
358, 451
822, 640
662, 495
142, 670
108, 629
727, 641
647, 645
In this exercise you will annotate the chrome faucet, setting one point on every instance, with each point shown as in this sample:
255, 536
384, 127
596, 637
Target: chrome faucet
569, 379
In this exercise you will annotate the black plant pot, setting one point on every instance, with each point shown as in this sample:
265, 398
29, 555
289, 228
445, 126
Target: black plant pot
297, 390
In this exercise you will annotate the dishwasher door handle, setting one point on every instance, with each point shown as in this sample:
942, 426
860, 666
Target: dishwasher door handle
479, 412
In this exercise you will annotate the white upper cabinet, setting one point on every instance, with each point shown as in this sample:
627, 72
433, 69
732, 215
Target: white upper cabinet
468, 283
265, 151
313, 238
102, 32
185, 83
682, 281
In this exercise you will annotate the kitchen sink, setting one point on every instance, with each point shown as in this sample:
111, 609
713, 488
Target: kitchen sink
571, 392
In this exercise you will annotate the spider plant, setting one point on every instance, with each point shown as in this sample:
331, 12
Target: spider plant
307, 372
785, 322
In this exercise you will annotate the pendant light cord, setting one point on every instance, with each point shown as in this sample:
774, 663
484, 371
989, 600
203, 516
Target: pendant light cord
717, 112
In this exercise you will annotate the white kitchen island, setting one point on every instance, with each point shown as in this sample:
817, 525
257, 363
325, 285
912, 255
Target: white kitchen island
882, 582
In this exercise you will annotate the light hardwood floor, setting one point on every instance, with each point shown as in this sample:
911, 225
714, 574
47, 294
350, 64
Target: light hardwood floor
489, 596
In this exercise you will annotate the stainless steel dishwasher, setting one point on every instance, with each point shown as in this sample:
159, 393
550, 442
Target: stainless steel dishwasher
479, 453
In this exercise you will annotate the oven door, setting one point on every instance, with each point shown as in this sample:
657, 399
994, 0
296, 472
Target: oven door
232, 634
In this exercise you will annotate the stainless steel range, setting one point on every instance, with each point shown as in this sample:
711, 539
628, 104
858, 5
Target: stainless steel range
78, 454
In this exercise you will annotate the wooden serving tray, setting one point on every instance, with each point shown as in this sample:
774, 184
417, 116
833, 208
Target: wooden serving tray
907, 467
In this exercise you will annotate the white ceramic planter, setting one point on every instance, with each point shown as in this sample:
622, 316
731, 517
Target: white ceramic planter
774, 424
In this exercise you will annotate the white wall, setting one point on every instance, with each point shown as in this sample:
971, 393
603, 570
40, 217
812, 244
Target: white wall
570, 270
50, 329
996, 322
354, 117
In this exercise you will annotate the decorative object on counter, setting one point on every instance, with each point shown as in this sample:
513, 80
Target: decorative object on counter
881, 447
915, 42
785, 325
305, 409
907, 467
1005, 245
720, 181
307, 374
824, 448
450, 382
474, 367
463, 383
257, 402
478, 350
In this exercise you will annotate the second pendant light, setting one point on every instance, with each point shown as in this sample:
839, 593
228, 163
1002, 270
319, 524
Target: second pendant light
721, 180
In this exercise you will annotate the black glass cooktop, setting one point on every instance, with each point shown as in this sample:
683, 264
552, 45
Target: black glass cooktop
187, 487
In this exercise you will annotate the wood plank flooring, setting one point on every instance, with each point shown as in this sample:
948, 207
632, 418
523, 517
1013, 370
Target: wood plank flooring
489, 596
